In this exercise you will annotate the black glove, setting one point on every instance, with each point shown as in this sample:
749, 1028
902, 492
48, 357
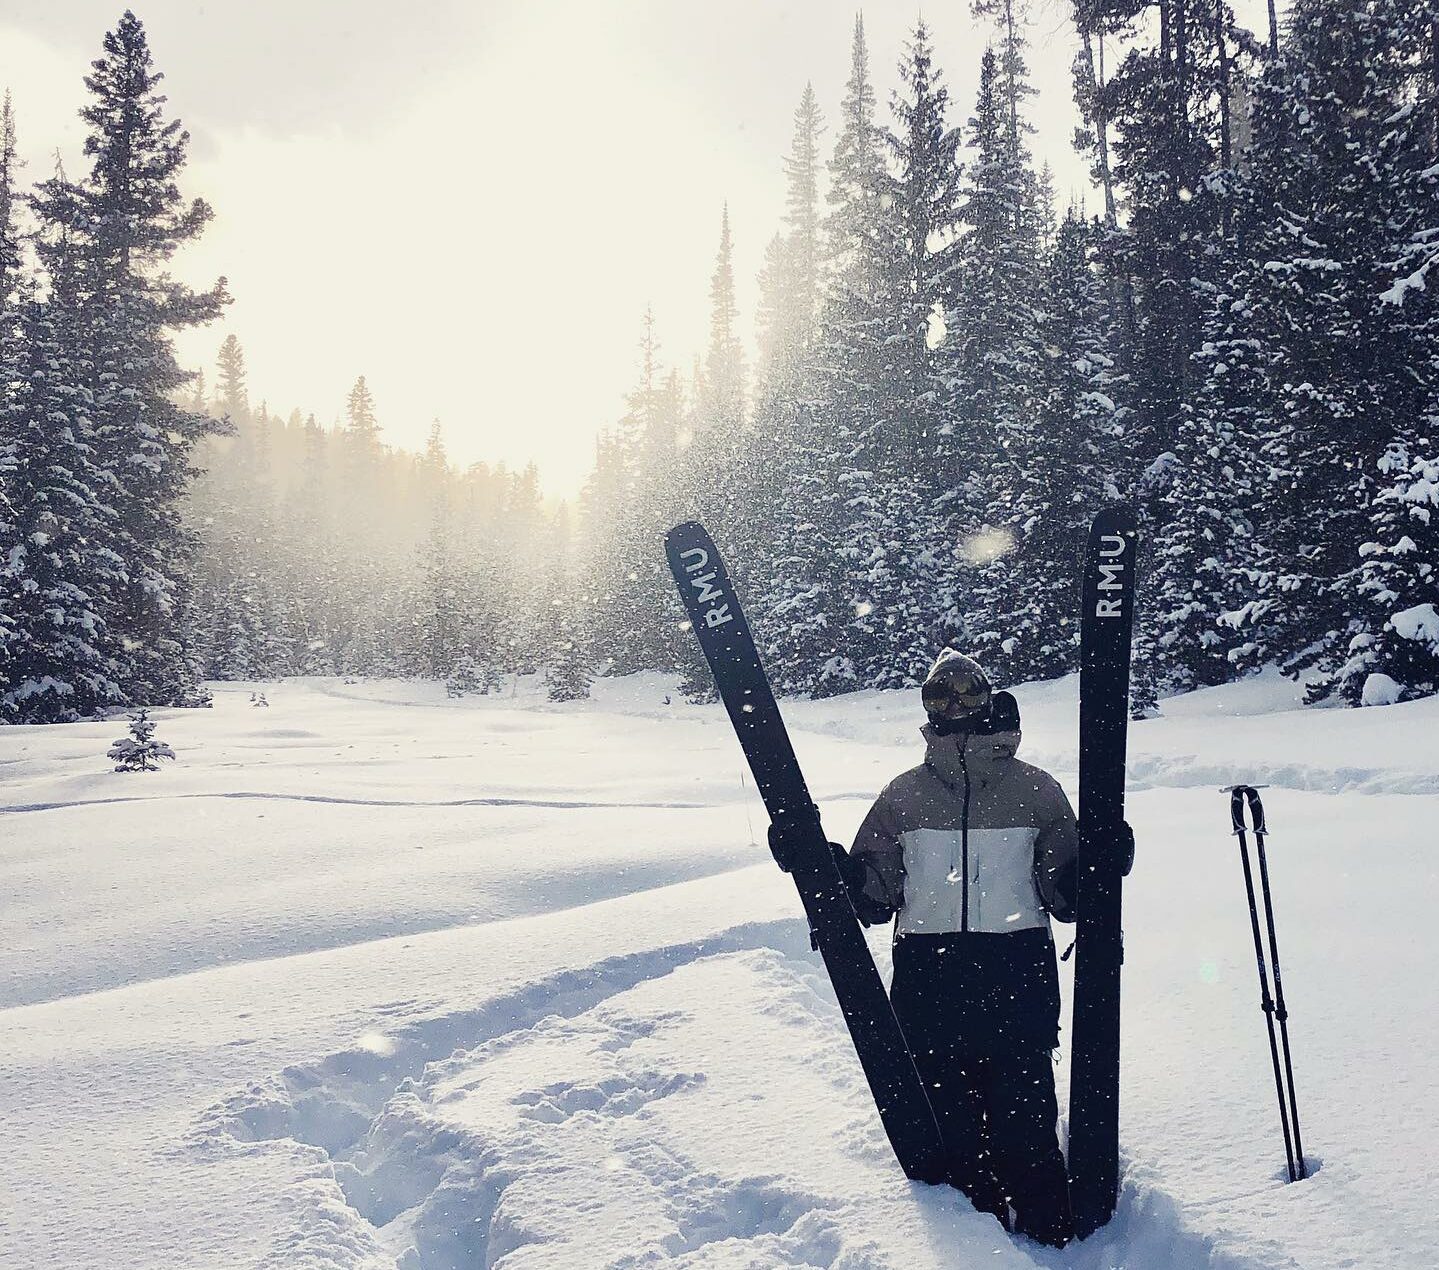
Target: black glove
786, 840
1066, 877
851, 871
854, 873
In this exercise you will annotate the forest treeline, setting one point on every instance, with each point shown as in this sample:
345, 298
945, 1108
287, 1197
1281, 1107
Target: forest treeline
1241, 338
1239, 335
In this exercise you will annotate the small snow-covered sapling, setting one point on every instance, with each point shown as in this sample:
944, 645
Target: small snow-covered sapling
140, 751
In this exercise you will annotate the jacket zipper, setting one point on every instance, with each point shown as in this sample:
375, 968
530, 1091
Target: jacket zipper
964, 838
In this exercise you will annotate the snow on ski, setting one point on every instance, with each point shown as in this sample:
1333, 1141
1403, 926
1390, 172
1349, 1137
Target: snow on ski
724, 635
1106, 632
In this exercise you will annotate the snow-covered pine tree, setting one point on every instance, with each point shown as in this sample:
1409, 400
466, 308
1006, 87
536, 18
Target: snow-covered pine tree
1166, 103
808, 603
467, 677
316, 570
440, 609
133, 220
998, 464
140, 751
231, 388
1205, 538
1339, 146
1390, 647
719, 427
793, 274
1393, 648
10, 233
1195, 580
9, 358
631, 498
606, 504
568, 656
782, 448
804, 611
897, 411
1063, 468
59, 572
362, 426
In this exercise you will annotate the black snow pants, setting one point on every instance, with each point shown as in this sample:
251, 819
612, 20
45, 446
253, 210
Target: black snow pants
981, 1015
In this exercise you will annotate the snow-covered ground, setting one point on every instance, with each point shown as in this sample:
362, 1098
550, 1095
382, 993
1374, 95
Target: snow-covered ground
375, 979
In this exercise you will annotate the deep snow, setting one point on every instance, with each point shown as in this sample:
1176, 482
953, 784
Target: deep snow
375, 979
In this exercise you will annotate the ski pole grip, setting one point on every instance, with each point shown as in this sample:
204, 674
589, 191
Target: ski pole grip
1240, 795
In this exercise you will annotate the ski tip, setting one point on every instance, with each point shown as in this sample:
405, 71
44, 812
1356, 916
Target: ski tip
1117, 518
687, 533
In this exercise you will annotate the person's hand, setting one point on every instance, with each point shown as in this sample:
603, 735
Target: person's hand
786, 839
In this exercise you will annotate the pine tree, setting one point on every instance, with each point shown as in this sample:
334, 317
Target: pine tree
9, 362
1339, 154
362, 427
440, 605
1193, 586
816, 615
466, 677
1388, 648
723, 405
230, 382
59, 574
1058, 466
919, 247
133, 220
892, 553
999, 466
569, 662
793, 261
140, 751
10, 238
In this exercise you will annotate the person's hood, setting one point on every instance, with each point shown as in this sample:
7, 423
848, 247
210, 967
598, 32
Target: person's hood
966, 752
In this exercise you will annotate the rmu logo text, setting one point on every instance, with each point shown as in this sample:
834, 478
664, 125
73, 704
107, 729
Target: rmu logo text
1112, 565
696, 559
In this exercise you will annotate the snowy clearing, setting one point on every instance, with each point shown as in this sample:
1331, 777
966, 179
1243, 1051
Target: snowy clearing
376, 979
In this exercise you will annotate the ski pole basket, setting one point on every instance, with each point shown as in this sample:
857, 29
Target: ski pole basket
1242, 797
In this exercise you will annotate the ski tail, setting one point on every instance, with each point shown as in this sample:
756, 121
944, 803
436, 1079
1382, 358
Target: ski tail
1106, 638
724, 635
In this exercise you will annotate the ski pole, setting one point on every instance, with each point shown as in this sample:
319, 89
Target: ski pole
1261, 832
1238, 795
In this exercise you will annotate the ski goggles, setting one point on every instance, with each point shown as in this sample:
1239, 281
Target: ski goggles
955, 691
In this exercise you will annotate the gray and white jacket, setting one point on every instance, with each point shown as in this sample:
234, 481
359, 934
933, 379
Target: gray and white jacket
972, 839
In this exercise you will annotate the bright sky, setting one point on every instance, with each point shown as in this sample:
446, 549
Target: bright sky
471, 202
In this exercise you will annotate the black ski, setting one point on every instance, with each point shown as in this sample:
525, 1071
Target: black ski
1106, 630
724, 635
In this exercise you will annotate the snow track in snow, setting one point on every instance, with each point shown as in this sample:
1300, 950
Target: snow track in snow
542, 803
407, 1176
604, 1117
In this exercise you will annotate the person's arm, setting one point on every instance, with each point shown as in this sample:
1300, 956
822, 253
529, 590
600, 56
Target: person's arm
1056, 854
875, 874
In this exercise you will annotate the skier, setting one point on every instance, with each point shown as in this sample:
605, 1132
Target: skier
972, 852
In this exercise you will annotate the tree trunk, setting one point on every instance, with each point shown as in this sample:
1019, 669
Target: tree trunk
1099, 122
1226, 144
1181, 93
1434, 81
